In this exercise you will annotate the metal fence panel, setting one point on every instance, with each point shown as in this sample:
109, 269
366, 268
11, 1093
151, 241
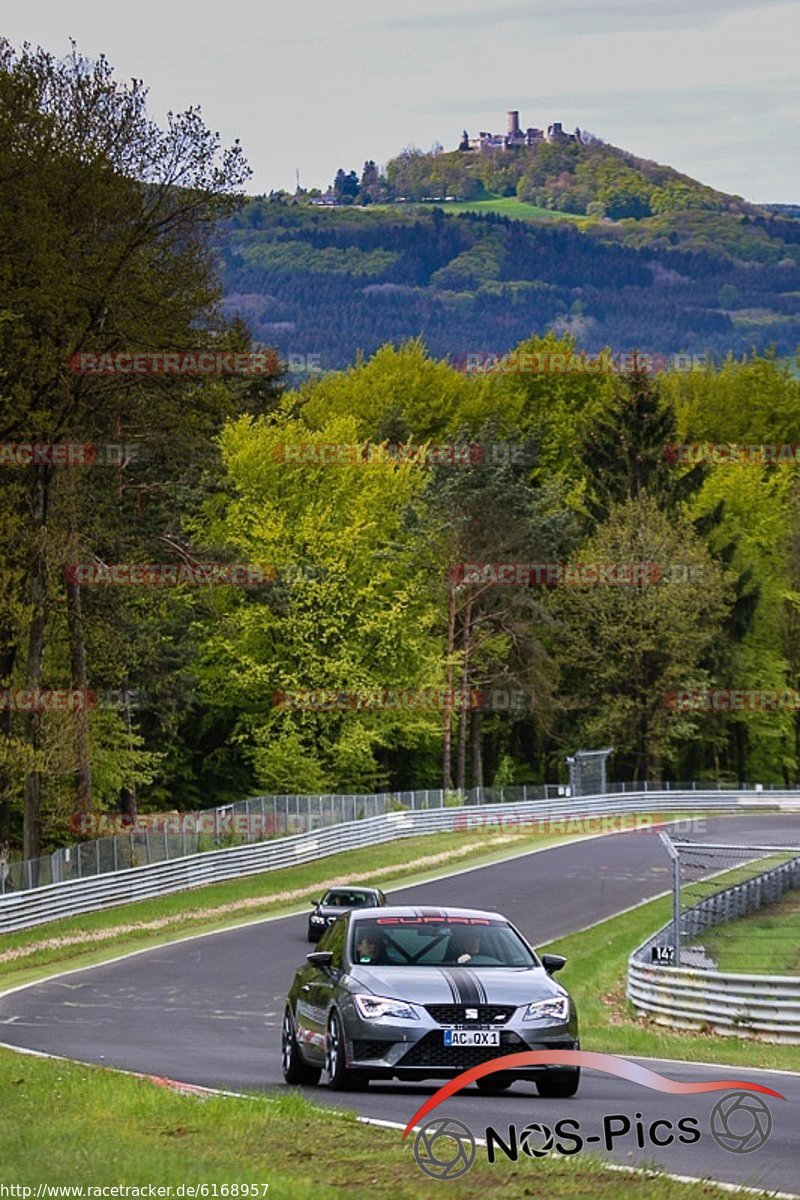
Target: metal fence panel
152, 874
733, 1003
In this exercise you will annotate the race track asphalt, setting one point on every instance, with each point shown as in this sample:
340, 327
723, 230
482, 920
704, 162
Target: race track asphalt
208, 1010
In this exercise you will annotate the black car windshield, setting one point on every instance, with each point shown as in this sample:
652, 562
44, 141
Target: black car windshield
340, 899
438, 942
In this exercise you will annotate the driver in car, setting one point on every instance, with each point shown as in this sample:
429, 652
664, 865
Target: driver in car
368, 948
465, 945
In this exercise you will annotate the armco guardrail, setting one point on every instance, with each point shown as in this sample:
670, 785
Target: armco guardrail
159, 837
685, 997
20, 910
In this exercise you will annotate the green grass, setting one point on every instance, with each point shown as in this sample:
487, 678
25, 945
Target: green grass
100, 1128
504, 206
596, 974
84, 940
509, 206
768, 941
91, 938
104, 1128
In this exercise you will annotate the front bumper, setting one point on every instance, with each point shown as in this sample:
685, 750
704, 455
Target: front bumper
384, 1050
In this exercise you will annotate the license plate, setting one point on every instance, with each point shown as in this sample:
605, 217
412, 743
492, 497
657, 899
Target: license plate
472, 1037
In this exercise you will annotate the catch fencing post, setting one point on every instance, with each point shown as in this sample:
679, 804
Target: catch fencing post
674, 854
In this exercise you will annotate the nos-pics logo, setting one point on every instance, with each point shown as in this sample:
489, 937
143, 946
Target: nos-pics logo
445, 1148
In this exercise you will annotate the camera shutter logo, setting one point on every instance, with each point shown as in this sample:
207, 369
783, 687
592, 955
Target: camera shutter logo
536, 1140
444, 1148
740, 1122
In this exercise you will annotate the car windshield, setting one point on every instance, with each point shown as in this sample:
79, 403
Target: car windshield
339, 899
438, 942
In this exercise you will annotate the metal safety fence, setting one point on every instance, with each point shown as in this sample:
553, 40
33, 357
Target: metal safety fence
163, 837
675, 978
34, 906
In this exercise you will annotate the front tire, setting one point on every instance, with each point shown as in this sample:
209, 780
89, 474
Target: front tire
340, 1078
559, 1084
295, 1071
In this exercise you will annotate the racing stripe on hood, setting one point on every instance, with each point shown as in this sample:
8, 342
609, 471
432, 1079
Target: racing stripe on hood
475, 980
471, 990
451, 983
464, 987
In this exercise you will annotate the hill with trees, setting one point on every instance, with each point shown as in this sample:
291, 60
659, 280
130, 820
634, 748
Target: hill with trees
336, 282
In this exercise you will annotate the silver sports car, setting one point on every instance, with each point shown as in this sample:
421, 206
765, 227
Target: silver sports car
418, 993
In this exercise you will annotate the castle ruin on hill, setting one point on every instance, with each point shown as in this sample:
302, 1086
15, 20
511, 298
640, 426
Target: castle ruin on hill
517, 137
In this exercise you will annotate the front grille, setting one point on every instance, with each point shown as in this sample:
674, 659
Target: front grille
364, 1048
455, 1014
431, 1052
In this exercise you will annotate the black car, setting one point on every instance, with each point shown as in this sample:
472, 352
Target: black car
419, 993
338, 900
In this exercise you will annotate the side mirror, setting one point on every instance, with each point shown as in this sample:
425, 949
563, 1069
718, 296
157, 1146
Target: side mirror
314, 903
553, 963
320, 958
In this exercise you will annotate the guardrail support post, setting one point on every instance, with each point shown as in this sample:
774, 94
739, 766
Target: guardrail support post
674, 854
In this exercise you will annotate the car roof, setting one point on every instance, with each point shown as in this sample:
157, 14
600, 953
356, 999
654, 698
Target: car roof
350, 887
407, 910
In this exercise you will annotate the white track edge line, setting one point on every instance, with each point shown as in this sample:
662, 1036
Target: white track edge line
383, 1123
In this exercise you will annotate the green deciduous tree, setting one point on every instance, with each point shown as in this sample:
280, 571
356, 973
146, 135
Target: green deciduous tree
626, 647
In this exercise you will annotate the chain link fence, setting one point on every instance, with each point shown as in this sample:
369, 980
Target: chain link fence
587, 772
736, 909
167, 836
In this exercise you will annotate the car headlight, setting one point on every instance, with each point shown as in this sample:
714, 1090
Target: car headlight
315, 920
554, 1008
373, 1008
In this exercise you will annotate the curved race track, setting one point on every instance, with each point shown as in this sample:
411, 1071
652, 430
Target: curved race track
208, 1010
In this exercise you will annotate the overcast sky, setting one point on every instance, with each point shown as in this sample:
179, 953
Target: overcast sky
708, 86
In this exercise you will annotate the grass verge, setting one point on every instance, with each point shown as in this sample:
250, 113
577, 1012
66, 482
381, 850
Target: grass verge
767, 941
98, 1128
82, 941
92, 937
596, 976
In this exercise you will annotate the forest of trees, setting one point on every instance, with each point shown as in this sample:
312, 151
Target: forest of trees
341, 282
584, 176
112, 241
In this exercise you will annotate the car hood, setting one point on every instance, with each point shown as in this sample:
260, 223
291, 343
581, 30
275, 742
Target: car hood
457, 985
